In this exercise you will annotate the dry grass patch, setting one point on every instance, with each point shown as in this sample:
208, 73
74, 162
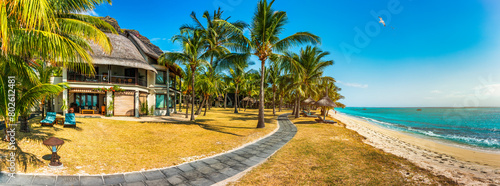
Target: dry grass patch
324, 154
99, 146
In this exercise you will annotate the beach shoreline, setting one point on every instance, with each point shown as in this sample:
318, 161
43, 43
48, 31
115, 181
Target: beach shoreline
464, 165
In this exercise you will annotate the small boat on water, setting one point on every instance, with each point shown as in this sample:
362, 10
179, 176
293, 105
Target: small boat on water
419, 109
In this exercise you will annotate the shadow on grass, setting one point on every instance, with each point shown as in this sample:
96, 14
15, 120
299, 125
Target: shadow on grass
23, 159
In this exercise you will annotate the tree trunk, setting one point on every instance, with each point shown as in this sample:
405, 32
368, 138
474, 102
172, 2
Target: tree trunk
281, 102
187, 105
206, 102
298, 107
225, 100
236, 100
274, 104
193, 70
294, 106
198, 111
209, 103
24, 124
260, 123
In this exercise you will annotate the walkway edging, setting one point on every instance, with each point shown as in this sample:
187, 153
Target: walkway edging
218, 169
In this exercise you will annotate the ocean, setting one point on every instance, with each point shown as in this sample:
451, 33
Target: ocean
472, 127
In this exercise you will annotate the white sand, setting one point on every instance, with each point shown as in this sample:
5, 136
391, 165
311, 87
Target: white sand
465, 166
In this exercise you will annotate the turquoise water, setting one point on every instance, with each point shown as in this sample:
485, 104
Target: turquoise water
476, 127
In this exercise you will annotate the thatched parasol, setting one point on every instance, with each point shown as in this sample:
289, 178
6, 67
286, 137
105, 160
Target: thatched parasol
308, 101
325, 103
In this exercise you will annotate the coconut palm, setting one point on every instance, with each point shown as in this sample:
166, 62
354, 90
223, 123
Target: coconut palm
273, 77
193, 56
49, 31
238, 72
265, 29
220, 37
308, 67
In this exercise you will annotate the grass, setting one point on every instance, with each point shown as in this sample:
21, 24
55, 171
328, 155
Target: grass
324, 154
99, 146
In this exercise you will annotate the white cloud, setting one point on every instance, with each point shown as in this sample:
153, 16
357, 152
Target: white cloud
158, 39
90, 13
437, 92
355, 85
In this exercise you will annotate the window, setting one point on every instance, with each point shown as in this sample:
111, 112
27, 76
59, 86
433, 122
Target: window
160, 77
160, 101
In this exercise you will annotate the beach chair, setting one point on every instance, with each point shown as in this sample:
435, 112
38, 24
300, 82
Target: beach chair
49, 120
306, 114
320, 120
69, 120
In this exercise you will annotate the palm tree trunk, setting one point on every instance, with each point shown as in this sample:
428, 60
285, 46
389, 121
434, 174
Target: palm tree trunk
294, 106
260, 123
193, 71
187, 105
225, 100
298, 106
274, 104
236, 100
206, 102
198, 111
209, 103
281, 102
24, 124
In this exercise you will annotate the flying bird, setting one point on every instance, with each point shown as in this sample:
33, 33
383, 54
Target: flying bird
381, 21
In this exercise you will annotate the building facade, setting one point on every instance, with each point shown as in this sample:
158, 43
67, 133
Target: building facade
134, 68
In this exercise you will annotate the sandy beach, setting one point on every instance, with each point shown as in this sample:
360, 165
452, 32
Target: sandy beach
465, 166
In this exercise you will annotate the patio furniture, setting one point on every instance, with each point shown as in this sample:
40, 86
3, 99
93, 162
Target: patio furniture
70, 120
88, 111
59, 120
320, 120
49, 120
306, 114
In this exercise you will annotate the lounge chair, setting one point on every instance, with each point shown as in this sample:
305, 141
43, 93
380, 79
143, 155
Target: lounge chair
49, 120
320, 120
69, 120
306, 114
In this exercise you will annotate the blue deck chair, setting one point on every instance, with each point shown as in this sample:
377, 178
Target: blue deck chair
69, 120
50, 119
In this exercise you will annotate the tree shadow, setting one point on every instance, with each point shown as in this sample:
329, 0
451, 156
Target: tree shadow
22, 158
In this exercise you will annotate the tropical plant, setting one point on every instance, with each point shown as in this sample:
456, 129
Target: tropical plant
273, 77
265, 29
193, 55
219, 38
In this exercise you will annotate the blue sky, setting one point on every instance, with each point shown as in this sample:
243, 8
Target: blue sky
431, 53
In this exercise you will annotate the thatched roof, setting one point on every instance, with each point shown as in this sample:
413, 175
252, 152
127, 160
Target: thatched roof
308, 101
143, 46
248, 99
124, 54
325, 102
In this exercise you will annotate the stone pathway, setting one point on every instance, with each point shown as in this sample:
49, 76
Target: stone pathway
201, 172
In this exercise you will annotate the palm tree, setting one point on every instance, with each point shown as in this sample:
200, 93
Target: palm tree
265, 29
273, 77
220, 37
193, 55
238, 73
49, 31
308, 67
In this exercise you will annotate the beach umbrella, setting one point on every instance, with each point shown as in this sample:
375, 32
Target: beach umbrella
325, 103
308, 102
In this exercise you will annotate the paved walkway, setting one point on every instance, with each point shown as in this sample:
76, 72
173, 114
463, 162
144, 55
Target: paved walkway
201, 172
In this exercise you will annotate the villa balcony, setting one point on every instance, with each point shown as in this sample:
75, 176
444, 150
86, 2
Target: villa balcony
107, 79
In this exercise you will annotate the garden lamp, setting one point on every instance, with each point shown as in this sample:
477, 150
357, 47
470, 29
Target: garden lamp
54, 144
